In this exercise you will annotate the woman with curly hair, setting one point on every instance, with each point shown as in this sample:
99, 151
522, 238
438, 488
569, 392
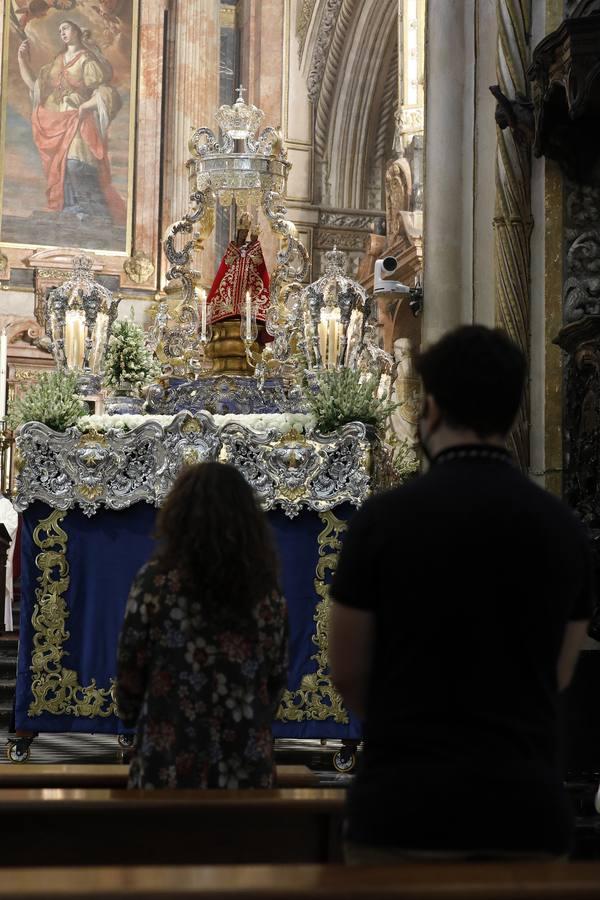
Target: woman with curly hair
202, 659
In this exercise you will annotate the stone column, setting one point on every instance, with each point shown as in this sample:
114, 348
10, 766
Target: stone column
192, 100
460, 148
448, 201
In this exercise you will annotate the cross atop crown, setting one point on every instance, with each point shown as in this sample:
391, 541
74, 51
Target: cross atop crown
241, 91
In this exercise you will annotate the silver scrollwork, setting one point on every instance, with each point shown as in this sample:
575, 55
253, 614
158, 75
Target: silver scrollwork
116, 469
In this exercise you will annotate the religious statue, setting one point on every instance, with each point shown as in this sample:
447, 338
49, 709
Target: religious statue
406, 393
242, 271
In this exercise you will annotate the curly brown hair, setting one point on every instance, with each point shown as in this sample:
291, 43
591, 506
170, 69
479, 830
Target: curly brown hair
213, 532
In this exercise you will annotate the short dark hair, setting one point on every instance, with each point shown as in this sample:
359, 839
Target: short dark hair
476, 376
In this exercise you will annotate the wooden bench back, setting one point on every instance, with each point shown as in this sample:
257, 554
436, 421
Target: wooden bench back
111, 775
521, 881
91, 826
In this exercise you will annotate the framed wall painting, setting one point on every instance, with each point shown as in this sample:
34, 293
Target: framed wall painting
70, 173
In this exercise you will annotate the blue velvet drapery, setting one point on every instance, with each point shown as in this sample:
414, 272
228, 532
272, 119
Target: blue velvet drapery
66, 659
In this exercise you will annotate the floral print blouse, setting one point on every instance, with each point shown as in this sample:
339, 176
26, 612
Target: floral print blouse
203, 699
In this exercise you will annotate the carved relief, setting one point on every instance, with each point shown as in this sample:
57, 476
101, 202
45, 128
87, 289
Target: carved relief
139, 267
576, 8
407, 393
565, 76
580, 337
350, 220
321, 51
409, 120
345, 240
398, 192
512, 218
304, 16
581, 340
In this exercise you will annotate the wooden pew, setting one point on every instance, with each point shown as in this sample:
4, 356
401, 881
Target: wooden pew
69, 827
506, 881
111, 775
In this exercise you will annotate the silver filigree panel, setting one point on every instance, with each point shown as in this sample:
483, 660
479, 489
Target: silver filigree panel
116, 469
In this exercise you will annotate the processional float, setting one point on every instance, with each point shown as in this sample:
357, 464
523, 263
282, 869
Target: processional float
88, 495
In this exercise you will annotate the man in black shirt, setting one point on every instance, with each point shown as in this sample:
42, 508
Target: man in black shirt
461, 602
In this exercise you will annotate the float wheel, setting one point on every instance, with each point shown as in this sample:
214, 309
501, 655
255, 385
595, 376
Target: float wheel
344, 760
18, 751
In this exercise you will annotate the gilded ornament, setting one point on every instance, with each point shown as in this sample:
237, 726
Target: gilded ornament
292, 494
90, 491
139, 268
56, 689
317, 699
191, 456
92, 438
191, 426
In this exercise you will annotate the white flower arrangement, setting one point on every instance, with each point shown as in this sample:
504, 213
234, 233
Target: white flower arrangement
280, 422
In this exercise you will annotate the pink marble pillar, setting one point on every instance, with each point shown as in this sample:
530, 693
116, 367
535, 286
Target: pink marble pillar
147, 227
261, 67
192, 100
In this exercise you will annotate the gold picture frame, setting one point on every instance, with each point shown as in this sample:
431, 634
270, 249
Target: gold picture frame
145, 25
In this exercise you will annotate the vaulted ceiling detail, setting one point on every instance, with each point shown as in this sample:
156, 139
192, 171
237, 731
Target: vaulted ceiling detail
350, 62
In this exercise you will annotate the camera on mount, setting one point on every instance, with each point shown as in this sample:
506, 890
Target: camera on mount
383, 285
387, 265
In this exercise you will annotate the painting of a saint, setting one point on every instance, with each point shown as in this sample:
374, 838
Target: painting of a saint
76, 130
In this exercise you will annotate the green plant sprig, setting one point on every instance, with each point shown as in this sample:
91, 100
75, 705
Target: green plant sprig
52, 400
342, 397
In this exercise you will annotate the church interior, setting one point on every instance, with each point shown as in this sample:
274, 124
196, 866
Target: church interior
227, 230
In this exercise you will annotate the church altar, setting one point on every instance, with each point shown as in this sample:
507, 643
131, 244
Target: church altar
88, 501
238, 366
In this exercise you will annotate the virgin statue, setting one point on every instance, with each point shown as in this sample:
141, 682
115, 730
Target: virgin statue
73, 106
242, 270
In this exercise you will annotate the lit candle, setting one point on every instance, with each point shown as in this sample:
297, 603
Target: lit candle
323, 342
248, 316
331, 346
3, 365
74, 339
203, 309
68, 341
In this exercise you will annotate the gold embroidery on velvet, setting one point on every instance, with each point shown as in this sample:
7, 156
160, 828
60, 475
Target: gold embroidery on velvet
317, 698
56, 689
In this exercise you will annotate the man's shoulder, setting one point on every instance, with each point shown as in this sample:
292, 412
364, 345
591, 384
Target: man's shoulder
552, 507
394, 500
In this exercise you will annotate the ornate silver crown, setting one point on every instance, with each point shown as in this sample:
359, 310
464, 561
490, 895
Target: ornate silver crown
241, 120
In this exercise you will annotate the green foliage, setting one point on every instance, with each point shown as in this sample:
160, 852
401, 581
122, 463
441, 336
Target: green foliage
127, 358
342, 397
52, 400
405, 462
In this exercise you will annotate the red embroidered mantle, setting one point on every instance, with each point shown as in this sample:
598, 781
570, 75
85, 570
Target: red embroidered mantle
242, 269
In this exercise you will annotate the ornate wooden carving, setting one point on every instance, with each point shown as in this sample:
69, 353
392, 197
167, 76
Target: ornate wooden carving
512, 216
565, 77
581, 340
